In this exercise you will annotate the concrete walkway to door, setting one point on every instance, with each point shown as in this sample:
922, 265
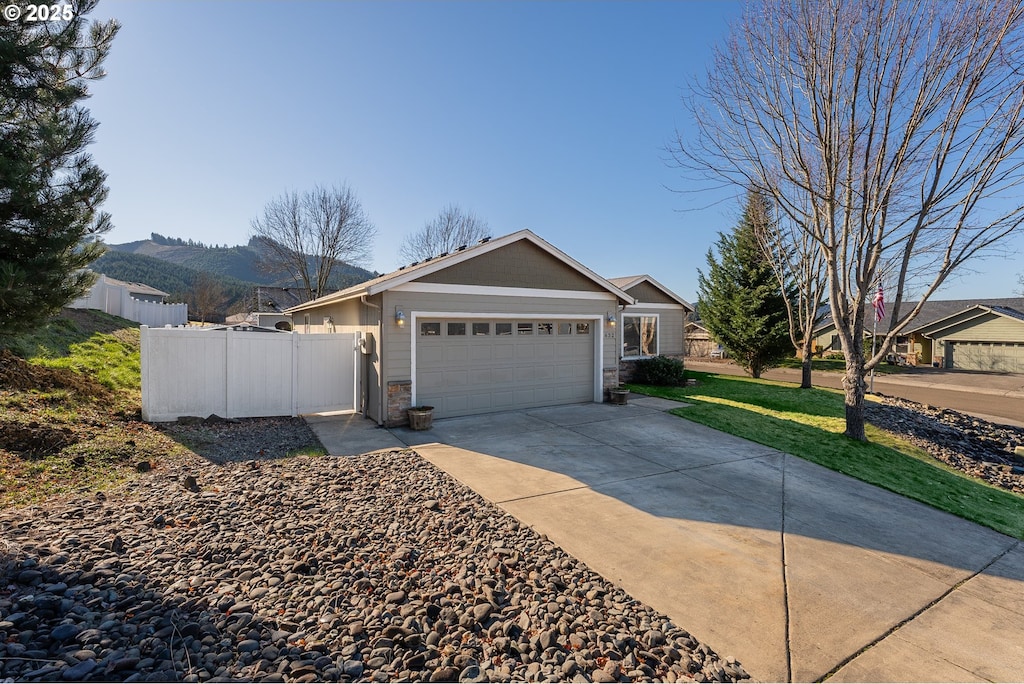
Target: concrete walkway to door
794, 570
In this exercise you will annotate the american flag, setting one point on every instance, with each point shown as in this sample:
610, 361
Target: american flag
879, 303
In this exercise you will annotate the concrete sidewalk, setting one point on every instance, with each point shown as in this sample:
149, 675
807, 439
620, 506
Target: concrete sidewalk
796, 571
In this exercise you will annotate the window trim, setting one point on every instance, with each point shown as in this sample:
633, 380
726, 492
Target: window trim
622, 335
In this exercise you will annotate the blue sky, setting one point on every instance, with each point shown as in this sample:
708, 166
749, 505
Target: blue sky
547, 116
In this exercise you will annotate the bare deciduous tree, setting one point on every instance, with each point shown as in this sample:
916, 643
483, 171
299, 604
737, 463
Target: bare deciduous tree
205, 297
799, 266
306, 235
889, 132
451, 229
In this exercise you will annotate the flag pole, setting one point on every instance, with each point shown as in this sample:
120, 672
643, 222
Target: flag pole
874, 337
878, 304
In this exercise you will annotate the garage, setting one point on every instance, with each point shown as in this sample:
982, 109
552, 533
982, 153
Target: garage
473, 365
999, 357
508, 323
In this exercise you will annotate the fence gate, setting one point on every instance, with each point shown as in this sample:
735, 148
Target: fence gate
245, 374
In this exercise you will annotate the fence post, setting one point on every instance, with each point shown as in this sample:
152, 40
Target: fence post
295, 373
144, 362
228, 406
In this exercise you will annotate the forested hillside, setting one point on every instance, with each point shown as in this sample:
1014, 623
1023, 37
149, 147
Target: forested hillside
241, 262
176, 280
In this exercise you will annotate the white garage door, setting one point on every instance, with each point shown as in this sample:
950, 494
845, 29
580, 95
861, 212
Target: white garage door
466, 365
1004, 357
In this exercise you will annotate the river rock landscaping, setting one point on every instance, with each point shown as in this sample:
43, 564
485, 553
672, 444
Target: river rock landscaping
241, 565
225, 559
977, 447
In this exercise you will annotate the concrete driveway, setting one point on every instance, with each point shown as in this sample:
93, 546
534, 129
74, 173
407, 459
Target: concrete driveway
798, 572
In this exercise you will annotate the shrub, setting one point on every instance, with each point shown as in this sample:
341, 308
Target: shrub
659, 370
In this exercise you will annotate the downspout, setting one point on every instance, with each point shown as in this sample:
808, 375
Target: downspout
380, 345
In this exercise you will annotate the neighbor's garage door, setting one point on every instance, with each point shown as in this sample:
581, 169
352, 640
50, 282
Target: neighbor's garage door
984, 356
466, 366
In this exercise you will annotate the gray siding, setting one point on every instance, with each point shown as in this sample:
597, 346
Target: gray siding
645, 292
520, 264
671, 327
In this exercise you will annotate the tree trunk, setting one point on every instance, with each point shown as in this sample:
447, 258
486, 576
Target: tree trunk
805, 365
853, 386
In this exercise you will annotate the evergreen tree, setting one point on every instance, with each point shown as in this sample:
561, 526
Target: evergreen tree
740, 300
49, 187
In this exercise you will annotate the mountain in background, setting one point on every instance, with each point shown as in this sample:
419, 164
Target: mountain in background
176, 266
176, 280
241, 262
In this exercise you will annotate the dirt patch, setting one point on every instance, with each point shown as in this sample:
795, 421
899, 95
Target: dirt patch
20, 375
34, 438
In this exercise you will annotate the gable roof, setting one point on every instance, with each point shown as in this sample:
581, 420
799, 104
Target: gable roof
629, 282
413, 271
931, 312
136, 288
969, 314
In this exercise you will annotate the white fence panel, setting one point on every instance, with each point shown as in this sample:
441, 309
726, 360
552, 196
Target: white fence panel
259, 373
184, 373
235, 374
117, 301
323, 376
154, 313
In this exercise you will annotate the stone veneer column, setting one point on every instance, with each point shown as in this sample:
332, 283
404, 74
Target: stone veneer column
399, 399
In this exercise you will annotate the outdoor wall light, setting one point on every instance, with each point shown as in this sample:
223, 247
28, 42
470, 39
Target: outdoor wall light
399, 317
610, 318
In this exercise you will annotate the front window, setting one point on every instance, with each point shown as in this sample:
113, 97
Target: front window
639, 336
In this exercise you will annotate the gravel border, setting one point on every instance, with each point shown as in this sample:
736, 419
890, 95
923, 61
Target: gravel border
974, 446
378, 567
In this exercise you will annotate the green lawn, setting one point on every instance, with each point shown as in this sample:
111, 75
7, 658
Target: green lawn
810, 424
839, 365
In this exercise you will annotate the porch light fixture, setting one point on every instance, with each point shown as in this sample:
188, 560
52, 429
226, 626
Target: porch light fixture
399, 317
610, 319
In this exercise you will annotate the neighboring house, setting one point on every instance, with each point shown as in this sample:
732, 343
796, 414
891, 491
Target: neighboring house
701, 344
268, 306
135, 301
969, 334
653, 326
981, 337
511, 322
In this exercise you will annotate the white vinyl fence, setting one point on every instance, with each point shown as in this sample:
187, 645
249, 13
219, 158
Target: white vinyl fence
245, 374
116, 300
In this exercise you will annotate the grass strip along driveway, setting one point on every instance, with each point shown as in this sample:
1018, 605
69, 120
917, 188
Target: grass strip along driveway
809, 424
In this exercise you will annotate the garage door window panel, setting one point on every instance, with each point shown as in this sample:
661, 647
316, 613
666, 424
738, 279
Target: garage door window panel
432, 329
456, 329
